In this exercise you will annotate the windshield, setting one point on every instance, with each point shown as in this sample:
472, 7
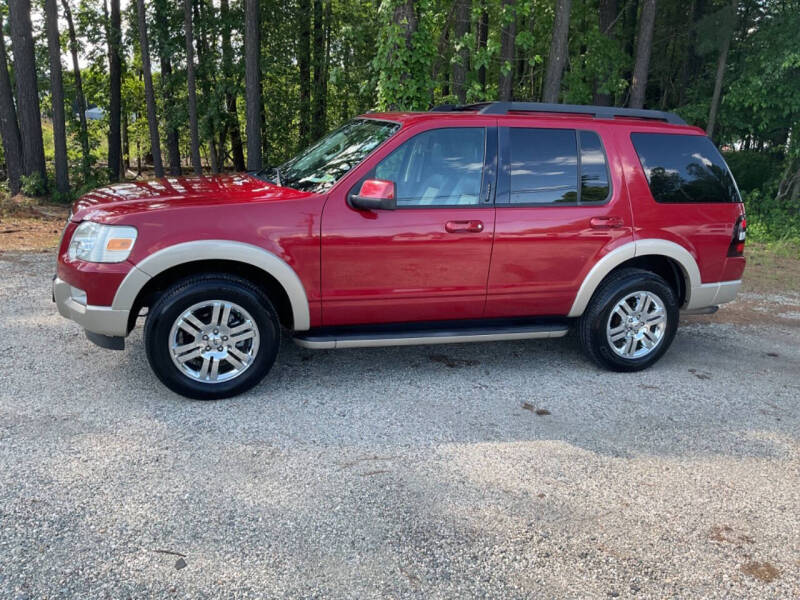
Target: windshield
318, 167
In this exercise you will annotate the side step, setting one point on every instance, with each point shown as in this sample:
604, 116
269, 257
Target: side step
447, 332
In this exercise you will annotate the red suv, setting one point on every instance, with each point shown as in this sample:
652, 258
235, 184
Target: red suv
493, 221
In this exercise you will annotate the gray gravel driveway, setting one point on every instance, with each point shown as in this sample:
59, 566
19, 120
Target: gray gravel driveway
513, 470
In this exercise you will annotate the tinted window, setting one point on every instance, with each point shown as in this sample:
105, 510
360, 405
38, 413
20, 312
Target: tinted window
543, 166
594, 173
437, 167
684, 168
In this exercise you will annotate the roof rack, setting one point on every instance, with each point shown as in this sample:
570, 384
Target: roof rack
599, 112
479, 106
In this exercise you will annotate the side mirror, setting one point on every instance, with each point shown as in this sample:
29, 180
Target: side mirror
375, 194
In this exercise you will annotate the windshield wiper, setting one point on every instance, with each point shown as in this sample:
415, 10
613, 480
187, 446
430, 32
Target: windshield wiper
263, 174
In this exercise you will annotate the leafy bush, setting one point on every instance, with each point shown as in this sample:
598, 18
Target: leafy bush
770, 219
754, 170
33, 185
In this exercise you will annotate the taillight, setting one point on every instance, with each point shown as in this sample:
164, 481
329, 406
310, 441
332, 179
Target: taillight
739, 237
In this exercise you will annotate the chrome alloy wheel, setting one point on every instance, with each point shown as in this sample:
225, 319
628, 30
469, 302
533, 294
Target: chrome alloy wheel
636, 325
213, 341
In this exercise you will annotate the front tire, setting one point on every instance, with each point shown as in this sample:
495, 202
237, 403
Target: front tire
630, 321
212, 336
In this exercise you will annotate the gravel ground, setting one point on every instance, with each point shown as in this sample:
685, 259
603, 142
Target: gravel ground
490, 470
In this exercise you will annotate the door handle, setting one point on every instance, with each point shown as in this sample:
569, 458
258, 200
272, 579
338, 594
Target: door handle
606, 222
463, 226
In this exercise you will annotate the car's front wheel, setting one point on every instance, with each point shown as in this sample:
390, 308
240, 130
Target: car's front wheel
211, 336
630, 321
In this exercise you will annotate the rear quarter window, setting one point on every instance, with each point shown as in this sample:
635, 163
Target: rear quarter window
684, 168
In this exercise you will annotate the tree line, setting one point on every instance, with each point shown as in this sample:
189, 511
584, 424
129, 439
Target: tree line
213, 85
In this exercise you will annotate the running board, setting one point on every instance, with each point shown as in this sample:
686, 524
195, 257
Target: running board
432, 333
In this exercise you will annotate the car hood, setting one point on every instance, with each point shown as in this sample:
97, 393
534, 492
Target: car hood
119, 199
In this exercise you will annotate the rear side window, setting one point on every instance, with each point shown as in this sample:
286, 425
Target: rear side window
684, 168
553, 166
543, 166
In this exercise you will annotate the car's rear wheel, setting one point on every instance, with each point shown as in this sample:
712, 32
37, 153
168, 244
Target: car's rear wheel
630, 321
212, 336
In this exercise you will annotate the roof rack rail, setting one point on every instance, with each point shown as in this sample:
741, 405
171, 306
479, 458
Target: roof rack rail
460, 107
599, 112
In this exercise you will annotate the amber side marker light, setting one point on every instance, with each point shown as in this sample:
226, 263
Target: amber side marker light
119, 244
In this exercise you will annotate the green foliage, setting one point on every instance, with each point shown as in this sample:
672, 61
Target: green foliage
33, 185
754, 170
598, 64
770, 219
371, 62
403, 62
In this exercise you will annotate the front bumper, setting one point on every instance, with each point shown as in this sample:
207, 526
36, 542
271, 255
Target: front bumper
100, 320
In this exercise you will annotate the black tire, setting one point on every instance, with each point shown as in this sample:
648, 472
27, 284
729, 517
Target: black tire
592, 324
196, 289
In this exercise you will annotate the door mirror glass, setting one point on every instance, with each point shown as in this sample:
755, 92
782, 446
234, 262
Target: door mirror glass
375, 194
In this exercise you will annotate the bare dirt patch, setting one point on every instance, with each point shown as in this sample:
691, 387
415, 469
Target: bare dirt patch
762, 571
30, 225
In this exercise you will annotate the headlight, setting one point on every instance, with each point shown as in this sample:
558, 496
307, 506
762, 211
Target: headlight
94, 242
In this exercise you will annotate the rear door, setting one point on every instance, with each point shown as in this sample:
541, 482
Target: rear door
428, 260
558, 211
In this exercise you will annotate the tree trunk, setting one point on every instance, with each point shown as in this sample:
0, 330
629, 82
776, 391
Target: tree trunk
162, 35
252, 54
608, 15
86, 161
630, 13
30, 119
191, 85
126, 144
173, 137
208, 81
319, 100
9, 128
508, 35
721, 63
483, 38
461, 65
404, 18
57, 97
114, 35
644, 45
213, 156
149, 93
230, 96
558, 52
304, 68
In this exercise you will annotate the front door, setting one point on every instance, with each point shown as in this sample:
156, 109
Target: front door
428, 259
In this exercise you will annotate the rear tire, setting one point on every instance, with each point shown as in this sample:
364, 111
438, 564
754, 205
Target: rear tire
212, 336
630, 321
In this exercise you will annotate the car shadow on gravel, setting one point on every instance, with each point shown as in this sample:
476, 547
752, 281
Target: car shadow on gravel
734, 400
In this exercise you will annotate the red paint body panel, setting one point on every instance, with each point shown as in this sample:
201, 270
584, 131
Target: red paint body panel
414, 264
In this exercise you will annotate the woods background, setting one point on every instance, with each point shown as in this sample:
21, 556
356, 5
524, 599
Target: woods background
215, 85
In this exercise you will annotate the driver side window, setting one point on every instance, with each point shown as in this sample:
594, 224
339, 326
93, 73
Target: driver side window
440, 167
